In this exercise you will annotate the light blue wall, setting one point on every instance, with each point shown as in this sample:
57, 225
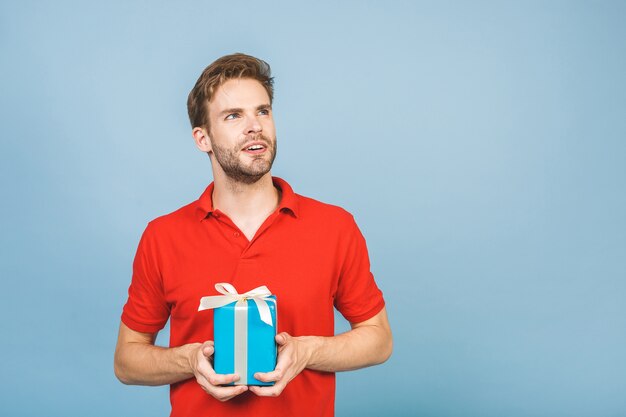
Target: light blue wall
480, 145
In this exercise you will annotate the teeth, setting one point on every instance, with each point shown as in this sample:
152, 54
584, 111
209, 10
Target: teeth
255, 147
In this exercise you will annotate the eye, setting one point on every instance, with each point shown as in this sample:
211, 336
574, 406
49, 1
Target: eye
264, 112
232, 116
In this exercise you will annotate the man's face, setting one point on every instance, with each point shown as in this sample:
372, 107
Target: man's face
242, 133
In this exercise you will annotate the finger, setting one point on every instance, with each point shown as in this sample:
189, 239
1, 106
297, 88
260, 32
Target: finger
284, 362
220, 379
208, 349
203, 355
205, 369
223, 393
273, 391
203, 364
226, 393
220, 392
274, 375
282, 338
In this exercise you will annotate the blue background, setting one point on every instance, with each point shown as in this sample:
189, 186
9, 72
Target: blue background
480, 145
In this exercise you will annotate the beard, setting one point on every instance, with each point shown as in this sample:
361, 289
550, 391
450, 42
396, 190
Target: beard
235, 169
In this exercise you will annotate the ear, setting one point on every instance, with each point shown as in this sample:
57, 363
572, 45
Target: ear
201, 137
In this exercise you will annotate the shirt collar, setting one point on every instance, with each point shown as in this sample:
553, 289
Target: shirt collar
288, 201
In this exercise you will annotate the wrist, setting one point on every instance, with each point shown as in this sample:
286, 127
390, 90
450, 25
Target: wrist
312, 347
188, 354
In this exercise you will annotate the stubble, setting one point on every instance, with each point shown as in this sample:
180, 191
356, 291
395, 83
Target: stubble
249, 173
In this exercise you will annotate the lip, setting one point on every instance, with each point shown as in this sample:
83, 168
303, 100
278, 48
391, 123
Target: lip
255, 143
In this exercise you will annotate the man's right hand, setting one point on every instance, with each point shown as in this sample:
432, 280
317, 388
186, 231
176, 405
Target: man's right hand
139, 362
209, 380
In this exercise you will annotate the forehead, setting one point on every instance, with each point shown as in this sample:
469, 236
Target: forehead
239, 93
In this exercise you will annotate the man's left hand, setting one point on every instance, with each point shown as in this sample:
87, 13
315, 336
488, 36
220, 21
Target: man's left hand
293, 356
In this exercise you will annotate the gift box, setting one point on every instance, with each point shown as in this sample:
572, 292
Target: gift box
244, 330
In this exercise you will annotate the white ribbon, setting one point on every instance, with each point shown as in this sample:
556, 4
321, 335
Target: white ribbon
260, 295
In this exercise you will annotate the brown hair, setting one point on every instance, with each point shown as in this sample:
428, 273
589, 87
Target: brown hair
223, 69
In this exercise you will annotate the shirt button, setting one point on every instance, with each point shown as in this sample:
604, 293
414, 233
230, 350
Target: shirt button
236, 234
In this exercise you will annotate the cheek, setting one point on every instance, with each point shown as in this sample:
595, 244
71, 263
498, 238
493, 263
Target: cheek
269, 127
224, 137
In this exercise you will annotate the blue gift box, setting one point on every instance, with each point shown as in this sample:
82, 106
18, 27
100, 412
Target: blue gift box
244, 344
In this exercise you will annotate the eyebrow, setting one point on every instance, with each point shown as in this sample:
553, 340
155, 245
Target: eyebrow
240, 110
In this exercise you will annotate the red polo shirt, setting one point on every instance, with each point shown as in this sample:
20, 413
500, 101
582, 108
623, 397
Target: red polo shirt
310, 255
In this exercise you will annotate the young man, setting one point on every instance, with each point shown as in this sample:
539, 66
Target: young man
249, 229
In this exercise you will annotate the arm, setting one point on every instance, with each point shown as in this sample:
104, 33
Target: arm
139, 362
368, 343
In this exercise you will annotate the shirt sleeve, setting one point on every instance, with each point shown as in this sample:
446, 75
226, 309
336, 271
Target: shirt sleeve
358, 298
146, 309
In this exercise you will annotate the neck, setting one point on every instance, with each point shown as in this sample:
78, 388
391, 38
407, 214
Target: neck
245, 201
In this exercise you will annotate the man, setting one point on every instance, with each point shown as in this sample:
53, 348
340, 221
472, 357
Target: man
250, 229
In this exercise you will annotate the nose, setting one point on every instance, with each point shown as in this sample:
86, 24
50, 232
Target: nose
253, 125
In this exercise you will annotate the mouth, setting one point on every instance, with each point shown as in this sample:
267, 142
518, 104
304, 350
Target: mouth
255, 147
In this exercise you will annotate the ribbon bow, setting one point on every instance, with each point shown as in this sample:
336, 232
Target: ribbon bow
259, 295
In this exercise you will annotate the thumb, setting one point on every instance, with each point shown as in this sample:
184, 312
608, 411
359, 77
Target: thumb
208, 349
282, 338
